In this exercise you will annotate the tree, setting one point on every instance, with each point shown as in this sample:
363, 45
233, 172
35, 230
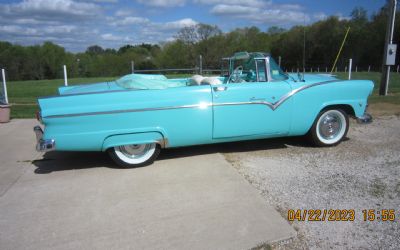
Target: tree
188, 35
94, 50
274, 30
205, 31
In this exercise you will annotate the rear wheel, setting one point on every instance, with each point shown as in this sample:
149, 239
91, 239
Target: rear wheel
329, 128
134, 155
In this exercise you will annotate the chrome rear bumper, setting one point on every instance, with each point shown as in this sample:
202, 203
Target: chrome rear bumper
365, 119
41, 144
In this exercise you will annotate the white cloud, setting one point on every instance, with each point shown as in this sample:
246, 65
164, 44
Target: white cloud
179, 24
105, 1
223, 9
162, 3
112, 37
320, 16
52, 9
99, 1
252, 3
120, 13
259, 12
17, 30
45, 31
130, 21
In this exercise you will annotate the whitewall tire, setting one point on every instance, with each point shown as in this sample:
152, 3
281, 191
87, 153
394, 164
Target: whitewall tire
134, 155
329, 128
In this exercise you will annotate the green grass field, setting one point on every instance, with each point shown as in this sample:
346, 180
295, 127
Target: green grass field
23, 94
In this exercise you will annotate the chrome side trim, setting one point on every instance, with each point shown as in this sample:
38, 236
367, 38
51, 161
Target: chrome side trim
272, 106
202, 105
275, 105
295, 91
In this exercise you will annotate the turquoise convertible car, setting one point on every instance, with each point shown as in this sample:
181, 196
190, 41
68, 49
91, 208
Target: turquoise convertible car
134, 117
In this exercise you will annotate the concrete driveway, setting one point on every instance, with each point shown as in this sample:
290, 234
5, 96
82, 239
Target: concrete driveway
78, 200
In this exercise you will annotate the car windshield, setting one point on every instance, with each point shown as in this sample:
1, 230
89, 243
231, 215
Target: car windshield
276, 72
249, 64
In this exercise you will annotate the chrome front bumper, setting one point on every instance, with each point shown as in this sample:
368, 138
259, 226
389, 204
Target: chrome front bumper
365, 119
43, 145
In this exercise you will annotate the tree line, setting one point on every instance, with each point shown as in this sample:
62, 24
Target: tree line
322, 40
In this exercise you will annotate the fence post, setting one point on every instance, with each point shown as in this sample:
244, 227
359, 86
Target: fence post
132, 67
350, 65
356, 69
200, 64
318, 69
3, 73
326, 69
65, 76
369, 68
279, 61
311, 70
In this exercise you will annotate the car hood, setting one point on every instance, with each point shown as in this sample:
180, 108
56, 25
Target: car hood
88, 88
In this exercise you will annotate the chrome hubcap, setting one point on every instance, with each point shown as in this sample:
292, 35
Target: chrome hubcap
330, 126
134, 151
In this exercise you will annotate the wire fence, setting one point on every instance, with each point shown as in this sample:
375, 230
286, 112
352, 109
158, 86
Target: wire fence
287, 66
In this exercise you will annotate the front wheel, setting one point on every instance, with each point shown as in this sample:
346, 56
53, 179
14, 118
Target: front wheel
329, 128
134, 155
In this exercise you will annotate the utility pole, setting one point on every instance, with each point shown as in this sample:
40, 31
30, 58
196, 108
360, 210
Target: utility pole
389, 54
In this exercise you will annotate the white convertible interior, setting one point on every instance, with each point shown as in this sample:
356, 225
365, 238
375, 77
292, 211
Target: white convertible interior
142, 81
201, 80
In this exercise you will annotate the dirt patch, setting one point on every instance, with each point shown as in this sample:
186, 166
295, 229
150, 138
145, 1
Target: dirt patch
384, 109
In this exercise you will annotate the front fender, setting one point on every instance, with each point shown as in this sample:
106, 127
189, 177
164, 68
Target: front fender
136, 138
312, 100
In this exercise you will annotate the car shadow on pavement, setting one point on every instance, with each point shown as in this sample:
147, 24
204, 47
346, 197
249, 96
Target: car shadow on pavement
233, 147
62, 161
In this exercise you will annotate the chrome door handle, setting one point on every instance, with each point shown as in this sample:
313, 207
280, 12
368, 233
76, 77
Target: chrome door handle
220, 88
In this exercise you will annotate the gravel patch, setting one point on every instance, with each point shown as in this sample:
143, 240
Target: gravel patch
362, 172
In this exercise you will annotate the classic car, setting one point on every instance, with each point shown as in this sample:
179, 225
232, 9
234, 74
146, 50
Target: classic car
136, 116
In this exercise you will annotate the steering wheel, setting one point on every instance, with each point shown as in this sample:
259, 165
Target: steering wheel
235, 76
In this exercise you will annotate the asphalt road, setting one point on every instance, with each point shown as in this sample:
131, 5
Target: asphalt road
189, 199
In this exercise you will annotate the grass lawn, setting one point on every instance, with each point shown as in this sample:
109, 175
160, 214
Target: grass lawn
23, 94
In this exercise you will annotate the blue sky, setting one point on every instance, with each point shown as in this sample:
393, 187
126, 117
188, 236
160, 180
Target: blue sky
77, 24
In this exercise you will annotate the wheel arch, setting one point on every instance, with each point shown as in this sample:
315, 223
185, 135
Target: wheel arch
345, 107
135, 138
